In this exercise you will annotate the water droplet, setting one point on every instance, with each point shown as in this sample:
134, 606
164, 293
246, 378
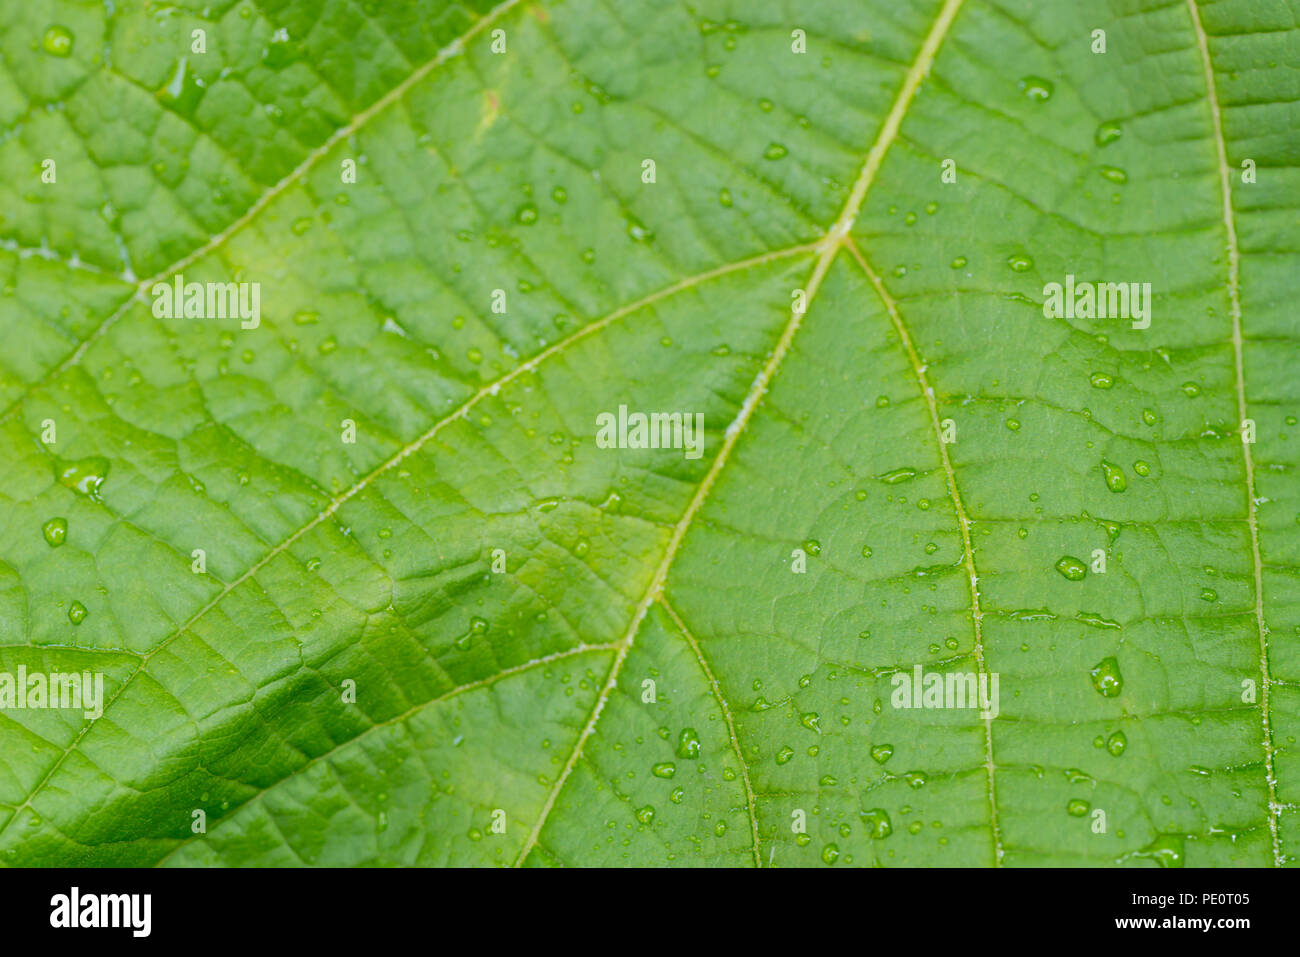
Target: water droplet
477, 626
897, 475
76, 613
1191, 389
784, 755
688, 744
1106, 678
1115, 480
811, 721
1107, 133
57, 41
1072, 568
812, 547
1166, 850
1036, 88
958, 263
1114, 174
638, 231
881, 753
646, 814
830, 854
1101, 380
1116, 744
1020, 263
724, 197
84, 476
664, 769
1209, 594
774, 151
526, 214
1078, 807
1097, 621
878, 824
55, 531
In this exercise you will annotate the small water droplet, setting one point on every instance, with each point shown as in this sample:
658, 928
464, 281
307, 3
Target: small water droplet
1036, 88
55, 531
58, 41
77, 613
1107, 133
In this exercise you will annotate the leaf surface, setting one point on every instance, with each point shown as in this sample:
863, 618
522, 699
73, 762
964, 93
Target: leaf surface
684, 660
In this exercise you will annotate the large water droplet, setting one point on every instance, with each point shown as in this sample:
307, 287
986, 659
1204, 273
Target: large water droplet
84, 476
688, 744
77, 613
1106, 678
878, 823
897, 475
1072, 568
1115, 480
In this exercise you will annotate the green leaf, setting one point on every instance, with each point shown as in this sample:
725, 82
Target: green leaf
365, 585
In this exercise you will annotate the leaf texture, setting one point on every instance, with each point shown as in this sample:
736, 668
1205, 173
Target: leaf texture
567, 654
